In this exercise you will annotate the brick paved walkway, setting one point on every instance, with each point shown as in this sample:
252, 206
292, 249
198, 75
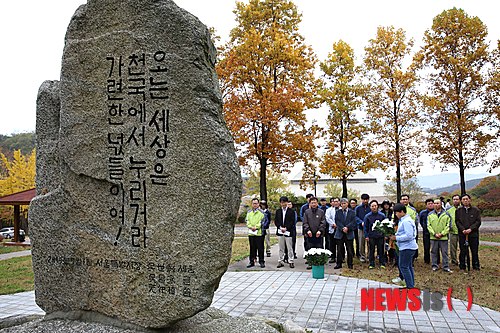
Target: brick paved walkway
328, 305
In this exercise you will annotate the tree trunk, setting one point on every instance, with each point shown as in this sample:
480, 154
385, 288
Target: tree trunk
315, 181
461, 166
343, 179
344, 186
462, 172
398, 176
398, 153
263, 179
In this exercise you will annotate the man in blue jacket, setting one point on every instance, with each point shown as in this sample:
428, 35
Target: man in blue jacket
405, 236
429, 207
374, 238
345, 222
361, 212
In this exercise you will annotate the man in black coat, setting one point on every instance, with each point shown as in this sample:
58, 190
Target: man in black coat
345, 221
284, 219
468, 221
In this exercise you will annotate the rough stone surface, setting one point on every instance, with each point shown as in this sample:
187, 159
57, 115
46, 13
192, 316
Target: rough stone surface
18, 320
208, 321
47, 137
291, 327
107, 237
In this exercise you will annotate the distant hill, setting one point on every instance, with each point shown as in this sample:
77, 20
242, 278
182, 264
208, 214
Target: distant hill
23, 141
468, 185
445, 179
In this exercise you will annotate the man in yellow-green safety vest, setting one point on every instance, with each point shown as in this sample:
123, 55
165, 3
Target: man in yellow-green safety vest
254, 221
438, 224
454, 229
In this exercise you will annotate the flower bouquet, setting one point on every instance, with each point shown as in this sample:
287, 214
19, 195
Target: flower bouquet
386, 228
317, 257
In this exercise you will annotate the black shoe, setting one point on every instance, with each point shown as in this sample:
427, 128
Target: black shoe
262, 265
280, 264
292, 265
337, 267
250, 265
309, 267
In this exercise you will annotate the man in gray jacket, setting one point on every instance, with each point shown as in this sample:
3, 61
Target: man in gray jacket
314, 226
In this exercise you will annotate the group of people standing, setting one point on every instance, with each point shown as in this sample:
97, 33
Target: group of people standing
339, 225
454, 228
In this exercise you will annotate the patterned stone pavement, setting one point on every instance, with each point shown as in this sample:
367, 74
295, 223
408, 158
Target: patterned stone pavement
321, 305
333, 305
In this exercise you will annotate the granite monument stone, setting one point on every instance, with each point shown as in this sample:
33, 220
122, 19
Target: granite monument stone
137, 176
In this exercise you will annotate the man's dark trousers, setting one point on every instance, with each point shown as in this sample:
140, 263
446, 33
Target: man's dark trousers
376, 243
256, 246
332, 246
340, 248
357, 242
474, 248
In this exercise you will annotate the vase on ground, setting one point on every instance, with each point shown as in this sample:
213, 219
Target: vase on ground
318, 272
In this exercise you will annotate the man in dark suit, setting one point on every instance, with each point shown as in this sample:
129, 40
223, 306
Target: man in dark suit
468, 219
284, 219
345, 220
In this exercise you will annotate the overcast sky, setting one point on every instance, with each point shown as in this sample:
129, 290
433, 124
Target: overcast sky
33, 37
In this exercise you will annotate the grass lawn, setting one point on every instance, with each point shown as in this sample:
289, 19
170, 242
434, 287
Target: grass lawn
241, 248
9, 249
484, 283
490, 237
16, 275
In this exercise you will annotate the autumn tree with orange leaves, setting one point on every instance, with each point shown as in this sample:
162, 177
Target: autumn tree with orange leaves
493, 95
392, 101
348, 148
462, 127
267, 81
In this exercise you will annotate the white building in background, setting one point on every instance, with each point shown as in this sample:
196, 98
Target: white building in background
360, 182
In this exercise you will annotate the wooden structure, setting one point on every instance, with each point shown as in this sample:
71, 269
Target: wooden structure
17, 200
